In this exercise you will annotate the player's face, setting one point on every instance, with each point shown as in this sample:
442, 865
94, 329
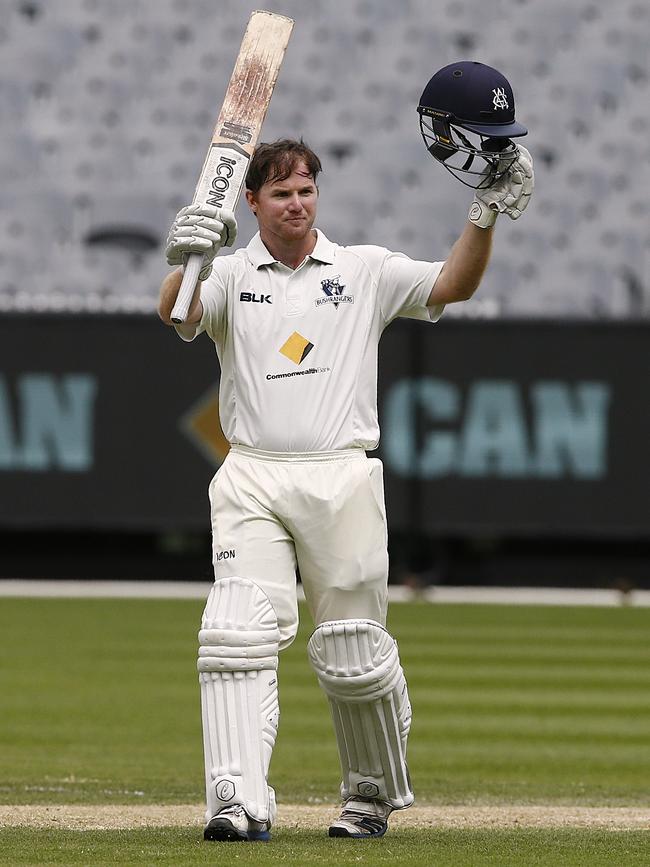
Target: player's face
286, 209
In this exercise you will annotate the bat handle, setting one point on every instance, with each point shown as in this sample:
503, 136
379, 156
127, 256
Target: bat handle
184, 298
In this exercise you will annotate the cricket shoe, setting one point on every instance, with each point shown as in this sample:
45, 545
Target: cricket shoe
233, 823
360, 818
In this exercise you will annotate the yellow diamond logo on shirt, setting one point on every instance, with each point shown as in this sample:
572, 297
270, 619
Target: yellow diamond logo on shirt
296, 348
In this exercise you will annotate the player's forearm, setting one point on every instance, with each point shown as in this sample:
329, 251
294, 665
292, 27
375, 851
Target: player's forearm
168, 294
464, 267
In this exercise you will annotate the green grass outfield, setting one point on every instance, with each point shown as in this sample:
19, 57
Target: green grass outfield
512, 705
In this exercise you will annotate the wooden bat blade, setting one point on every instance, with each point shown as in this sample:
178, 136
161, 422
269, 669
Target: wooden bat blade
253, 79
243, 110
238, 127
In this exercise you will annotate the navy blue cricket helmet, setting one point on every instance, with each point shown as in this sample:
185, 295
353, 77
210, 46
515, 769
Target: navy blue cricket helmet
464, 101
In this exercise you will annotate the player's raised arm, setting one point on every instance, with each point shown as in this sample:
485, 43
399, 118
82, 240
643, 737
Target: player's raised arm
169, 293
464, 267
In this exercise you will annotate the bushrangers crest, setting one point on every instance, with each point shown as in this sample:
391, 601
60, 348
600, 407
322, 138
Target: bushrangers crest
333, 289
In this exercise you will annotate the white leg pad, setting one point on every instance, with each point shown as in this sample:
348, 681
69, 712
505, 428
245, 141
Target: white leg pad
238, 661
357, 664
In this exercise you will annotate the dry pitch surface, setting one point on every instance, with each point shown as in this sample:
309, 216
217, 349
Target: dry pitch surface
302, 817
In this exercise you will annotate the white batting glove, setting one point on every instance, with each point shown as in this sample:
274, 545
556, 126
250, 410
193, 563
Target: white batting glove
509, 195
200, 229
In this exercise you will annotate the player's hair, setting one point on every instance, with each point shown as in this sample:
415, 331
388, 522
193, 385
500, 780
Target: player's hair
276, 160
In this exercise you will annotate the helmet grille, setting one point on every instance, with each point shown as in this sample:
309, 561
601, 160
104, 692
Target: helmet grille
477, 164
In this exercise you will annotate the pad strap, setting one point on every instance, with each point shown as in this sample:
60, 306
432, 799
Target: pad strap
357, 664
238, 660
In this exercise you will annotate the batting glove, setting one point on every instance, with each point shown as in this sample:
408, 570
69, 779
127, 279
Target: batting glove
200, 229
509, 195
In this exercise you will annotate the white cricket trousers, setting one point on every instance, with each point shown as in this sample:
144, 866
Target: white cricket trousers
322, 513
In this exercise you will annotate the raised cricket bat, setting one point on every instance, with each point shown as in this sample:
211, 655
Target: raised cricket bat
237, 130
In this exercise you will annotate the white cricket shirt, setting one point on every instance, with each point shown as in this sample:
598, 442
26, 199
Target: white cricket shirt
298, 349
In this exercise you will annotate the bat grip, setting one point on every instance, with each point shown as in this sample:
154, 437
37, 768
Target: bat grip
184, 298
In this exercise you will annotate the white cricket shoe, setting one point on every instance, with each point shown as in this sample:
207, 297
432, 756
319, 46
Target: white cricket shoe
362, 817
234, 823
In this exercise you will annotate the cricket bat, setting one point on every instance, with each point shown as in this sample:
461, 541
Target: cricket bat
238, 127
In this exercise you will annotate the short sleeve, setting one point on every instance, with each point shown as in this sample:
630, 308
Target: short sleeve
213, 298
404, 286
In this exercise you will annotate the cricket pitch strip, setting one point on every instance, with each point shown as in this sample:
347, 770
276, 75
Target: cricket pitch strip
313, 817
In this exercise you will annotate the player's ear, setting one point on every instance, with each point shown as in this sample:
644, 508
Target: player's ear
250, 198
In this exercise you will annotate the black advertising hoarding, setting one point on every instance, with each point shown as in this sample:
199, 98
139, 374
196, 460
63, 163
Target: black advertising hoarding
487, 427
112, 451
517, 427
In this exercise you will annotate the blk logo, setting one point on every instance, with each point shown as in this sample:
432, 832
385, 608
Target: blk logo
257, 299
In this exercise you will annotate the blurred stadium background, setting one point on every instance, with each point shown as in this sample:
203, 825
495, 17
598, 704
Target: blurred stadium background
514, 433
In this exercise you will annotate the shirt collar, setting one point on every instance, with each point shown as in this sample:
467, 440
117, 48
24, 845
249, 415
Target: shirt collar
257, 252
259, 255
324, 249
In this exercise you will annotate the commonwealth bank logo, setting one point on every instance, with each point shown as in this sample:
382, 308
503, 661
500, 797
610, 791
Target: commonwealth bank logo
296, 348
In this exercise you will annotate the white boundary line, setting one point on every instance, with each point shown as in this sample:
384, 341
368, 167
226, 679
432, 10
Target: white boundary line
443, 595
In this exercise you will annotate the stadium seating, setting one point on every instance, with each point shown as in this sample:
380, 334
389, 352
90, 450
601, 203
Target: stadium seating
106, 110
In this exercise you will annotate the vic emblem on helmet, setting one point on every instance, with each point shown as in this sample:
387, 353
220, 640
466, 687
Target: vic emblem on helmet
500, 100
